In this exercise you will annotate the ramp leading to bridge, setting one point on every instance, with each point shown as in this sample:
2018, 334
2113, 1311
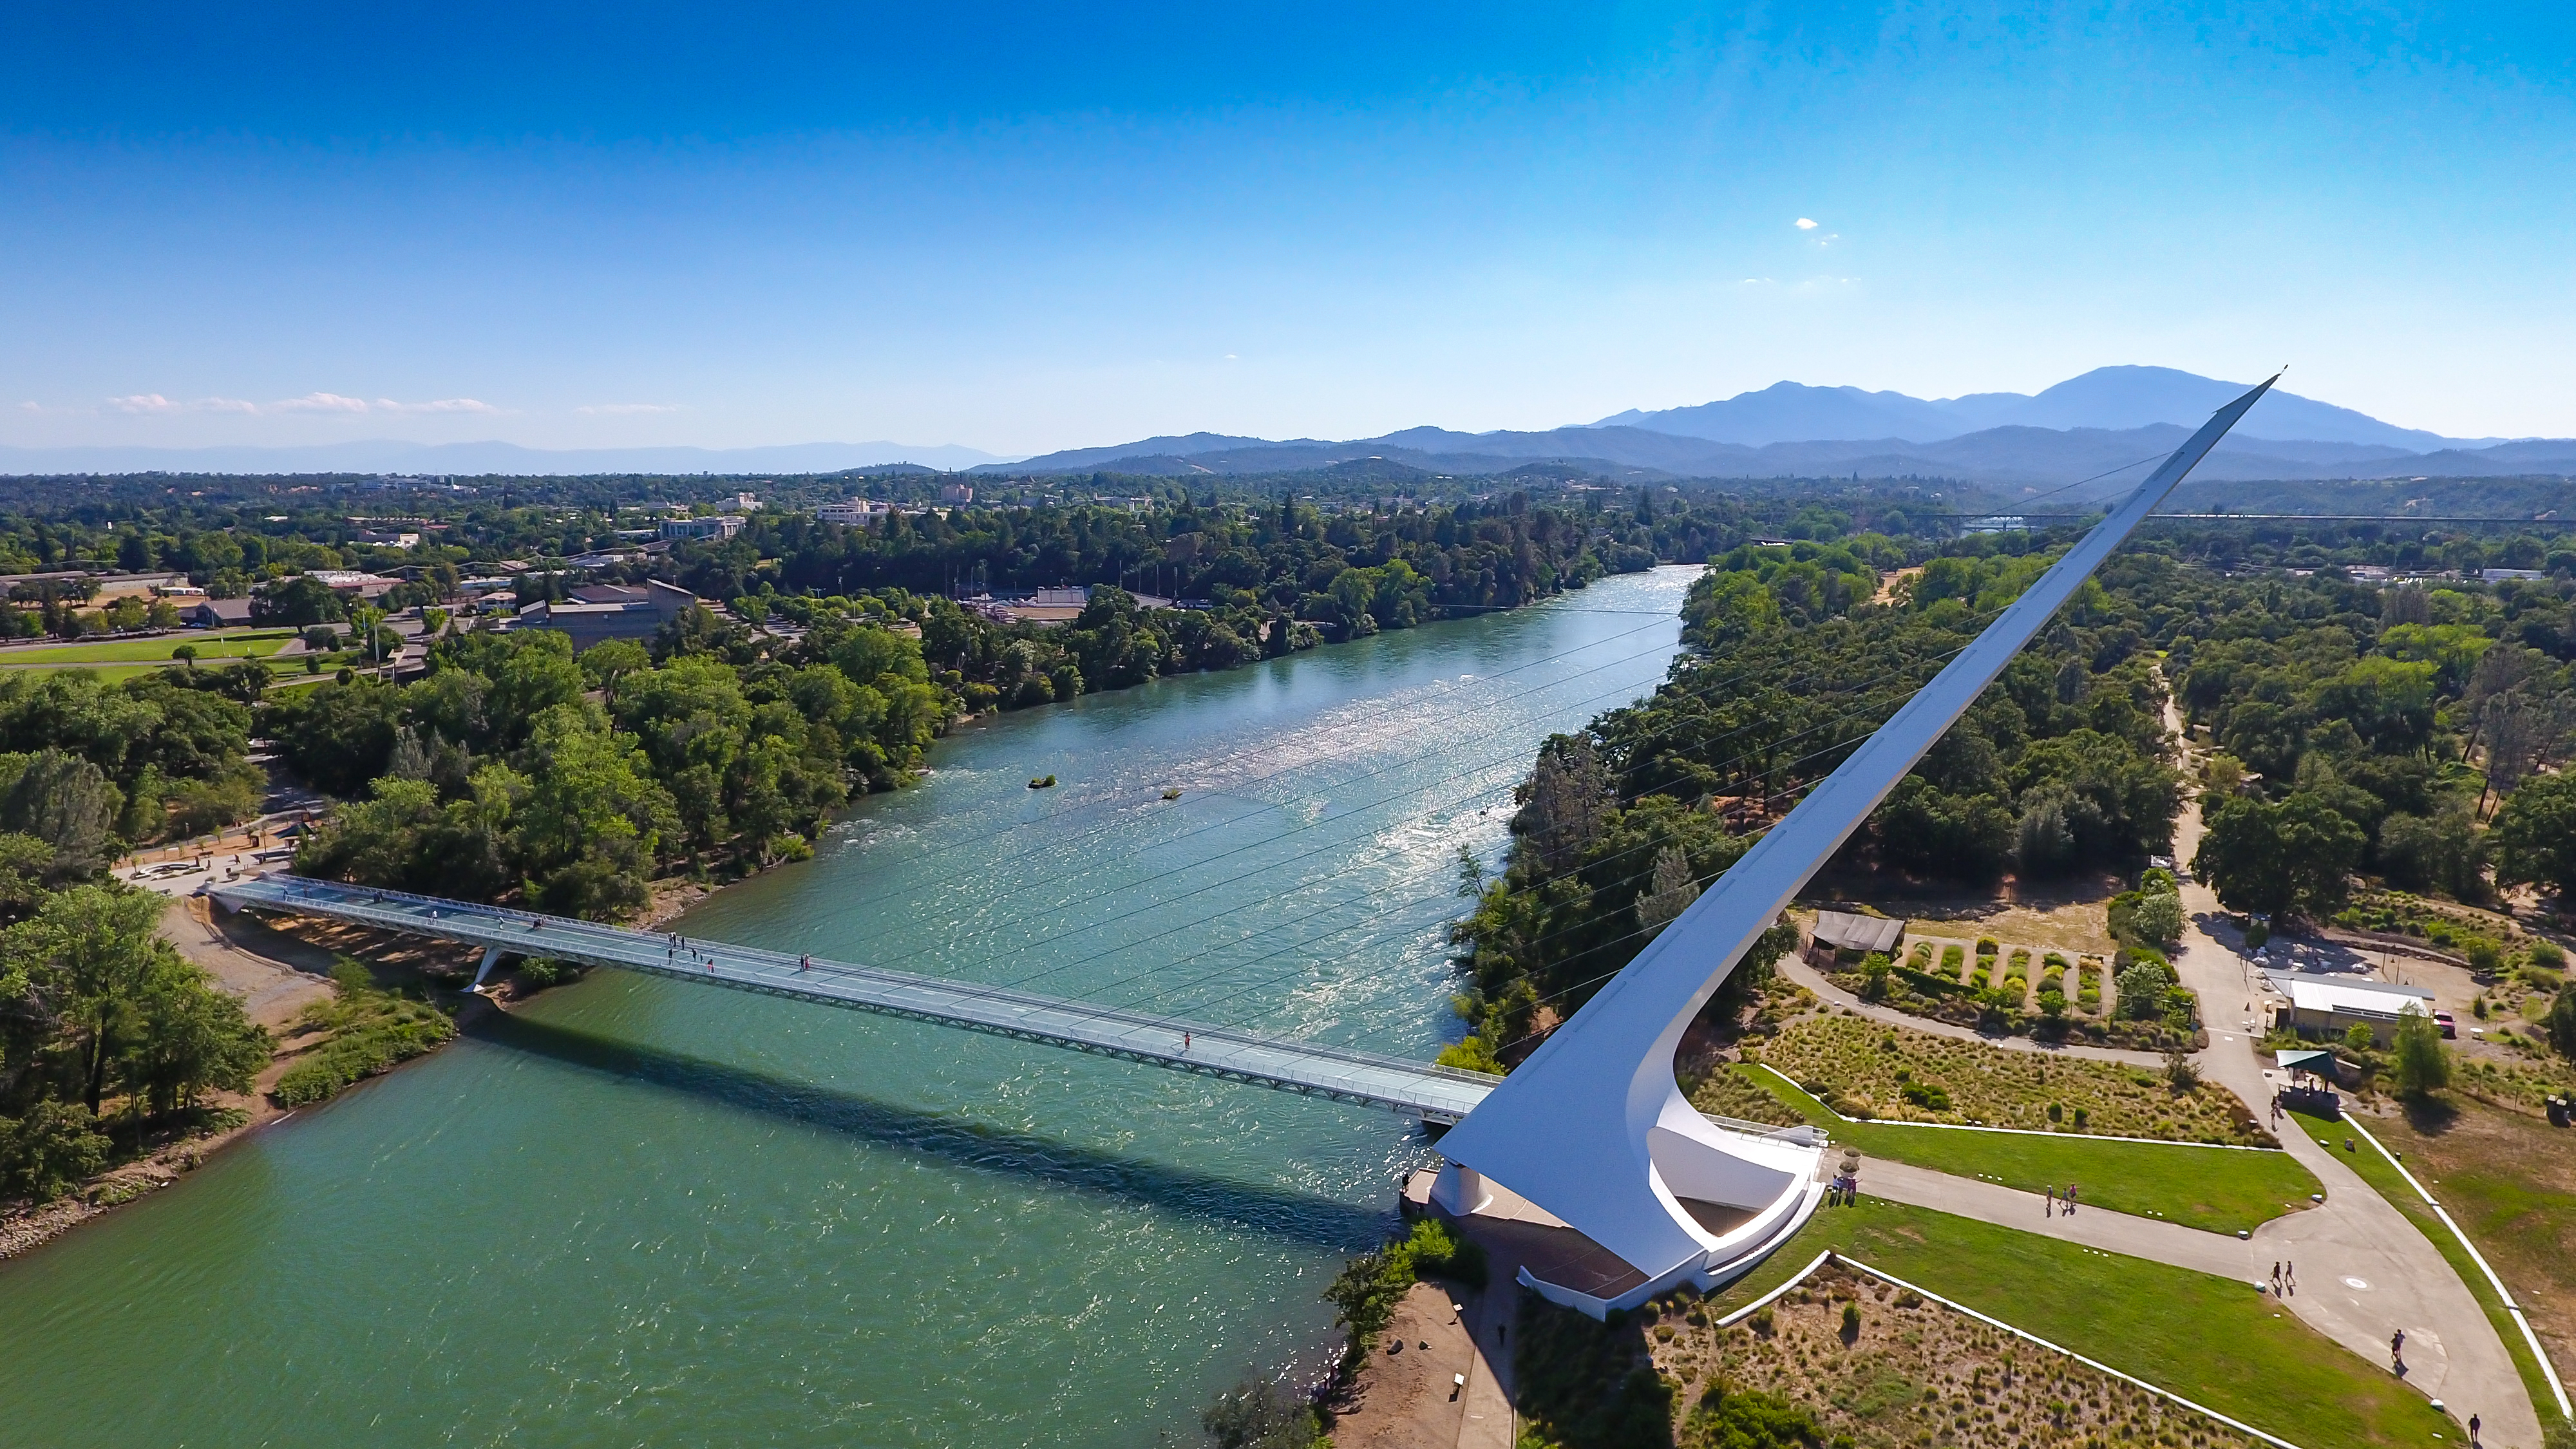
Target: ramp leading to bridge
1421, 1090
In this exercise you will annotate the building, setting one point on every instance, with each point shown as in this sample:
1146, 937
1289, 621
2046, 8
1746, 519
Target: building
388, 538
218, 613
739, 503
352, 581
2329, 1006
599, 612
722, 526
858, 512
956, 493
1845, 931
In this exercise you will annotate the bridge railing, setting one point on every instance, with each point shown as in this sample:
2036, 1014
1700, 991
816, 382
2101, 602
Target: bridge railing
294, 887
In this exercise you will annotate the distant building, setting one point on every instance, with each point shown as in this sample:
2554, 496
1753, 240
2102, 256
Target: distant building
956, 493
722, 526
351, 581
598, 612
857, 512
739, 503
387, 538
2497, 576
218, 613
1998, 523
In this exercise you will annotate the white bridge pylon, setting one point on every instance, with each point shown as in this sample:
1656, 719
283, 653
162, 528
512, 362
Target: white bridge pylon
1593, 1130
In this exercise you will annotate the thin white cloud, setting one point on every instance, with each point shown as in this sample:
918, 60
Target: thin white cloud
153, 402
443, 405
1806, 224
31, 407
619, 409
320, 402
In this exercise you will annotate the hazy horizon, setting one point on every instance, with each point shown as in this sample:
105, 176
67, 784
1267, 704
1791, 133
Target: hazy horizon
1021, 229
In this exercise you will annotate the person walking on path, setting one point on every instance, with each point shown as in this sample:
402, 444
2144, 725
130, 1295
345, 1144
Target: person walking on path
2473, 1431
2051, 1210
2290, 1274
2397, 1350
2276, 1280
2070, 1199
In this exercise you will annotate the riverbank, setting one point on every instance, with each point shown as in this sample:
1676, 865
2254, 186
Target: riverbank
279, 975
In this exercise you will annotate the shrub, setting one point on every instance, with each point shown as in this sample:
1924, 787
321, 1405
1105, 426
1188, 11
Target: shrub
2561, 1022
2423, 1063
1471, 1055
2547, 953
1746, 1419
47, 1152
373, 1031
1261, 1413
2157, 919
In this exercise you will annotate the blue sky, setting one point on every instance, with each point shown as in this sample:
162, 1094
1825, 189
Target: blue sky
1028, 227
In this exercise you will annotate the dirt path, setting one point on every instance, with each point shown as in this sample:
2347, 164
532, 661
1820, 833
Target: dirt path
1409, 1395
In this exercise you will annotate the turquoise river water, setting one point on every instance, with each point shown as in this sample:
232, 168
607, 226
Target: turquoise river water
638, 1212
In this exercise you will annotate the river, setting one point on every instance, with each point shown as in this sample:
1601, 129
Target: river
641, 1212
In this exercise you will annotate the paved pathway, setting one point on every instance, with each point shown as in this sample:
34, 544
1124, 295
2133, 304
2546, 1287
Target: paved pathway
2092, 1227
2364, 1269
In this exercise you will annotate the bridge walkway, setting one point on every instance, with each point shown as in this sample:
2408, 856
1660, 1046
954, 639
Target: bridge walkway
1415, 1089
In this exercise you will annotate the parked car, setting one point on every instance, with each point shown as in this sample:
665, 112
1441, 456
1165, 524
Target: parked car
2443, 1020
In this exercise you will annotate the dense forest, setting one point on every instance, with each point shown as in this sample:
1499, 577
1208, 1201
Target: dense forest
2380, 730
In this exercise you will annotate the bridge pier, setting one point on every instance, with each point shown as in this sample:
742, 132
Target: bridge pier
491, 958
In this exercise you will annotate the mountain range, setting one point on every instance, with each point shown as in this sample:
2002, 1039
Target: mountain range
2098, 422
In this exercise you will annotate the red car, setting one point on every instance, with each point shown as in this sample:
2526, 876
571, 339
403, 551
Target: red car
2443, 1020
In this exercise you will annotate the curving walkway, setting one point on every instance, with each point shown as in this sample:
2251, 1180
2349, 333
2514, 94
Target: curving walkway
2364, 1268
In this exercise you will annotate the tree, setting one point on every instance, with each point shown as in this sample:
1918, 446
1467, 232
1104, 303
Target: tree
66, 802
2561, 1021
189, 1035
2158, 917
186, 654
87, 955
46, 1152
1569, 793
2423, 1063
300, 600
2535, 834
1671, 891
2295, 856
2434, 853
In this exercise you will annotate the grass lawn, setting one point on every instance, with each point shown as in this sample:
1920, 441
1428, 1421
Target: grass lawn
2213, 1188
2525, 1228
215, 648
2212, 1340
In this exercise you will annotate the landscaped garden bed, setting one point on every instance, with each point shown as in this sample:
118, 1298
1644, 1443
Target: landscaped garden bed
1863, 1068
